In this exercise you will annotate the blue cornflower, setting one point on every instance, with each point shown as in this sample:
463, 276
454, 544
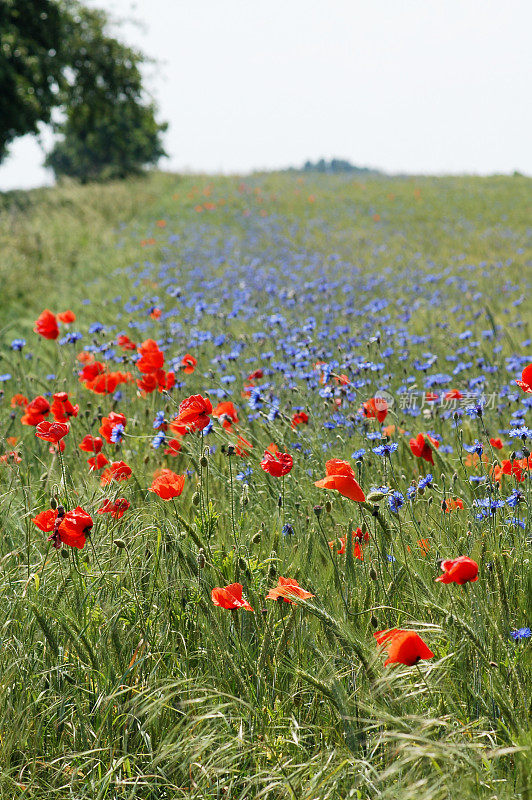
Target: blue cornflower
18, 344
477, 447
5, 377
395, 501
385, 449
523, 432
159, 420
424, 482
521, 633
358, 453
515, 498
157, 440
288, 530
117, 433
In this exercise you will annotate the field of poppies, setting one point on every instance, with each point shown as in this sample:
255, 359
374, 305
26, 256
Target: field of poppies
265, 489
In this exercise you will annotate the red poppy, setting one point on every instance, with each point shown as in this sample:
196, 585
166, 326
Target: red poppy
62, 409
226, 413
13, 455
459, 570
46, 325
51, 431
59, 446
343, 379
125, 342
45, 521
404, 647
243, 447
497, 444
104, 383
97, 462
173, 447
116, 508
299, 418
19, 400
341, 477
526, 380
421, 448
357, 537
229, 597
454, 394
276, 464
90, 371
194, 412
91, 444
66, 317
36, 411
454, 504
109, 423
188, 363
118, 471
151, 358
375, 408
286, 589
256, 375
148, 383
166, 484
156, 313
75, 527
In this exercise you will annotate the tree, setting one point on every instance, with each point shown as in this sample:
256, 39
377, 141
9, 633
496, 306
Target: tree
31, 66
109, 128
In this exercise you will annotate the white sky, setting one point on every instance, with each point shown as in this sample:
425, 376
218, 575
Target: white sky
405, 85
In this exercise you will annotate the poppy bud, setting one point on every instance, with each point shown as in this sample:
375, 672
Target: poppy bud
230, 450
146, 459
328, 506
53, 503
455, 477
204, 461
297, 505
513, 456
196, 499
60, 511
374, 621
120, 544
526, 452
493, 664
373, 574
255, 539
374, 511
201, 559
317, 511
280, 501
272, 570
444, 506
64, 553
242, 563
374, 497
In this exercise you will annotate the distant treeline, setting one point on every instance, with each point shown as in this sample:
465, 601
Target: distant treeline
335, 165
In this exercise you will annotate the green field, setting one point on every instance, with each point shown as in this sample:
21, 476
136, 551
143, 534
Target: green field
119, 676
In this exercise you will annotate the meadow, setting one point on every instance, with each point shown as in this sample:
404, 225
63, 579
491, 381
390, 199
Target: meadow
184, 612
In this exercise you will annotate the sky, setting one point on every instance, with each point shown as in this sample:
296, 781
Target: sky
418, 86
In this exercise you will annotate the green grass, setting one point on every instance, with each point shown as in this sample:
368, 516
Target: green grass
119, 678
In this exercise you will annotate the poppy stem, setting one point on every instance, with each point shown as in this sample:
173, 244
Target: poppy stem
424, 680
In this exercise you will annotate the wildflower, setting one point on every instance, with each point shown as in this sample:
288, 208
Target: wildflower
97, 462
36, 411
420, 447
521, 633
229, 597
226, 414
376, 407
109, 423
339, 475
116, 508
46, 325
19, 400
300, 418
118, 471
395, 501
188, 364
403, 646
62, 409
477, 447
151, 358
117, 433
125, 342
526, 380
91, 444
66, 317
453, 504
385, 449
286, 589
496, 443
276, 463
194, 412
74, 528
460, 570
166, 484
18, 344
51, 431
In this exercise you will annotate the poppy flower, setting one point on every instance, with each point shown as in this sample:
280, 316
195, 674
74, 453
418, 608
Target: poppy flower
57, 446
104, 383
229, 597
13, 455
19, 400
404, 647
97, 462
109, 423
497, 444
125, 342
36, 411
339, 475
375, 408
421, 448
66, 317
156, 313
277, 464
51, 431
188, 364
90, 371
118, 471
74, 528
299, 418
194, 412
148, 383
166, 484
91, 444
286, 589
256, 375
459, 570
116, 508
454, 504
62, 409
453, 394
45, 521
151, 358
526, 380
173, 447
357, 550
46, 325
226, 414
